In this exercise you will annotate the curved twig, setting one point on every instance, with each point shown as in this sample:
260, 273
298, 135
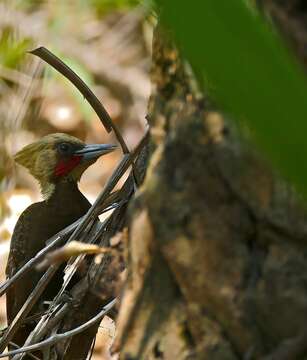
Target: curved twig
31, 355
66, 71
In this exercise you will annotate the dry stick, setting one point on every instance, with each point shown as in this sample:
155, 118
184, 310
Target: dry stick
32, 299
50, 320
34, 336
43, 282
93, 212
54, 240
42, 327
65, 70
113, 180
27, 306
95, 270
51, 243
77, 261
53, 320
31, 337
62, 68
39, 334
122, 167
103, 226
59, 337
29, 354
90, 354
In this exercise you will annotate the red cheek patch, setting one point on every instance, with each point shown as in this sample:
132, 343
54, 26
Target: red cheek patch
65, 166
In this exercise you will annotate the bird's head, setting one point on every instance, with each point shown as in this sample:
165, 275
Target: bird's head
59, 157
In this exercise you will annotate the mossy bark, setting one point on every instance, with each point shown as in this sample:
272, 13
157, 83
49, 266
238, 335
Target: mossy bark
217, 253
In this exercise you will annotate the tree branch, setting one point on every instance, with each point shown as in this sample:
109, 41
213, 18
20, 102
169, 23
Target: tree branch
62, 68
59, 337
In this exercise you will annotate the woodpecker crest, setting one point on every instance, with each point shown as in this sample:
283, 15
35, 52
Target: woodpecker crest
59, 157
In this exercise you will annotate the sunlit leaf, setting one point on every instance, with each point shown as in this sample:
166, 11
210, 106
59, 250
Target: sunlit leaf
12, 48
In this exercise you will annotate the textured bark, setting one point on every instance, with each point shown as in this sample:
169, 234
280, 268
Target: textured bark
217, 253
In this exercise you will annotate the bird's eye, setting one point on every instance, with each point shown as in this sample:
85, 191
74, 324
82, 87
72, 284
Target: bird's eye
64, 148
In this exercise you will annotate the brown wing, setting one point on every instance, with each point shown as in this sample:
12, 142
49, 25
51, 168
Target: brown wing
20, 290
17, 258
37, 224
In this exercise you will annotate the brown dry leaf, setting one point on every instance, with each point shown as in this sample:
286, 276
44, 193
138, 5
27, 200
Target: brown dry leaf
74, 248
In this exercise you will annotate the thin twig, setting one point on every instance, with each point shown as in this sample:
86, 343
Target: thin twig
54, 318
127, 190
50, 320
26, 95
122, 167
117, 174
51, 243
31, 337
16, 76
59, 337
92, 213
72, 268
39, 331
31, 301
62, 68
92, 349
27, 306
29, 354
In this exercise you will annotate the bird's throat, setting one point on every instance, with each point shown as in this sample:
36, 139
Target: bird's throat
64, 167
65, 171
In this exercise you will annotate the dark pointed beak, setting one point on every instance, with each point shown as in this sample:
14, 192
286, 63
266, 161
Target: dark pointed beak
94, 151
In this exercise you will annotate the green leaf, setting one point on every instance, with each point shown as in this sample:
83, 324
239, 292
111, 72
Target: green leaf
12, 48
104, 6
250, 73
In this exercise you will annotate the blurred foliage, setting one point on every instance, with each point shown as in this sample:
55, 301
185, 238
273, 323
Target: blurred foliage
101, 6
60, 19
250, 72
12, 48
52, 75
107, 43
28, 5
104, 42
87, 77
104, 6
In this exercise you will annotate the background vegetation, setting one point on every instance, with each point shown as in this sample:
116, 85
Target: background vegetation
108, 44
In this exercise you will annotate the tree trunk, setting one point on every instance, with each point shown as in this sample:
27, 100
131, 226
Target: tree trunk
217, 254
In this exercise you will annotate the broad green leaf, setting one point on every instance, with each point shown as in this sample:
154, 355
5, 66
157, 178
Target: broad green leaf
250, 73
